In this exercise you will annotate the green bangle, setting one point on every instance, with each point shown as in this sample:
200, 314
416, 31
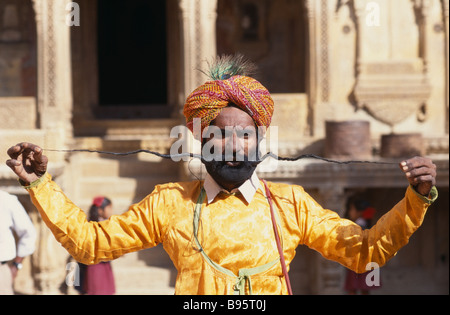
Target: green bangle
432, 196
34, 183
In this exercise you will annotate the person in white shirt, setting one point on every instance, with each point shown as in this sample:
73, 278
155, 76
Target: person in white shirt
14, 222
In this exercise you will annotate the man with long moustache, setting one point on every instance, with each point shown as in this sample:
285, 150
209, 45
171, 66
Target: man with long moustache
232, 232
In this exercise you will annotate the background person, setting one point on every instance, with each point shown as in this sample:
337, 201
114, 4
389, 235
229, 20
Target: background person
98, 279
14, 222
359, 211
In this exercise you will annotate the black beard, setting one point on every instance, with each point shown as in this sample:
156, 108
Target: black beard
230, 177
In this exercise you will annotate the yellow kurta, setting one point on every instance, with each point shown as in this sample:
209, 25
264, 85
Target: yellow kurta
234, 234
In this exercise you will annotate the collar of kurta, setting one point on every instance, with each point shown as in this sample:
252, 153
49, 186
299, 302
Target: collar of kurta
247, 189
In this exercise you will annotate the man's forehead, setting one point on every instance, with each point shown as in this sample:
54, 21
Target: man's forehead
236, 128
232, 116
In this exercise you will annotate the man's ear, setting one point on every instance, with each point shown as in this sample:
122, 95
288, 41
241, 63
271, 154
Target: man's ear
260, 137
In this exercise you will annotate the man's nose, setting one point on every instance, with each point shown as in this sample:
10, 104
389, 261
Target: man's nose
234, 145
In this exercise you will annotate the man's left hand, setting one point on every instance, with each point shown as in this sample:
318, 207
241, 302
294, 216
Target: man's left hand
421, 173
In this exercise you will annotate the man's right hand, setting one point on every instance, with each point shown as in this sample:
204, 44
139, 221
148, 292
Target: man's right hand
27, 161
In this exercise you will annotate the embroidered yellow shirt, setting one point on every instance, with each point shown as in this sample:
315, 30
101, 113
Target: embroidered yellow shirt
234, 234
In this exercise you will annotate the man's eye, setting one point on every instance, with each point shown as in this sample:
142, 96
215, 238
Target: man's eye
241, 134
245, 134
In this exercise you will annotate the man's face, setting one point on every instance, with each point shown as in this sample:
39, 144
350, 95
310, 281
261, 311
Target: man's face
238, 143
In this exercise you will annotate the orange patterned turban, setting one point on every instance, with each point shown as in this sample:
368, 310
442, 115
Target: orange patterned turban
209, 99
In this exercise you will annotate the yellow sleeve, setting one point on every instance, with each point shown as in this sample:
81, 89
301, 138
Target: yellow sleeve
91, 242
343, 241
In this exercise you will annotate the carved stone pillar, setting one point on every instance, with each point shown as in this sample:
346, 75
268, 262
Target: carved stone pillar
54, 72
312, 85
54, 112
318, 14
198, 32
198, 37
48, 261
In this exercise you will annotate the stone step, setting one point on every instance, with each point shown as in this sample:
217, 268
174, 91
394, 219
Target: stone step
144, 280
140, 280
148, 271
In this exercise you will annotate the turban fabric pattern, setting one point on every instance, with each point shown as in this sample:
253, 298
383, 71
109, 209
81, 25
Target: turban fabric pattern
209, 99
